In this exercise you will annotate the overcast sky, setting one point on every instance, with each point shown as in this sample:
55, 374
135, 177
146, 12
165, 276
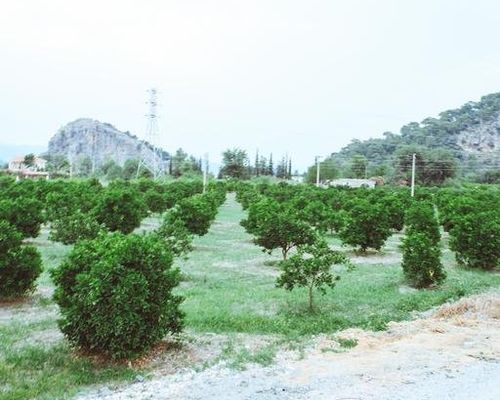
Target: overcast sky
303, 77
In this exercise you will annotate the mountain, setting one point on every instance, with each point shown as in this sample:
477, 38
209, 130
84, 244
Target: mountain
469, 133
99, 142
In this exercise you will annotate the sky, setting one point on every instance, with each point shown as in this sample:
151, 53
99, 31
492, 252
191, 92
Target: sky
284, 76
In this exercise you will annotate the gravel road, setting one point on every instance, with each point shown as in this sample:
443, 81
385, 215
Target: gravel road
452, 353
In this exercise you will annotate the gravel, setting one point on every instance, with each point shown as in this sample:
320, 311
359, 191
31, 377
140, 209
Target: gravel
453, 353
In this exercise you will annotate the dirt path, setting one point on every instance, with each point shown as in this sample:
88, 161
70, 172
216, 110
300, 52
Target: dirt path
454, 353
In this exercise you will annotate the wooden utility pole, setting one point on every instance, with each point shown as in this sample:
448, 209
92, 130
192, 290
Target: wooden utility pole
413, 175
317, 170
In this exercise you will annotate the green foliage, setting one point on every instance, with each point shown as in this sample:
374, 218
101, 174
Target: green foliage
155, 201
491, 177
65, 198
347, 343
328, 170
120, 209
57, 165
310, 267
25, 213
29, 160
259, 212
177, 190
475, 239
77, 226
20, 265
336, 220
197, 213
433, 167
367, 226
420, 218
234, 164
183, 165
453, 203
115, 295
175, 234
283, 230
318, 215
111, 170
395, 209
131, 170
83, 166
358, 166
246, 194
421, 247
441, 134
422, 259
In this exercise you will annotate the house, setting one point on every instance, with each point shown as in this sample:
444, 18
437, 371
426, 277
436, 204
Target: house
353, 183
17, 165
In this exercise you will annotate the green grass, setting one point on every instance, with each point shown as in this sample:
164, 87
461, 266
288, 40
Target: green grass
347, 343
229, 288
36, 372
237, 356
32, 366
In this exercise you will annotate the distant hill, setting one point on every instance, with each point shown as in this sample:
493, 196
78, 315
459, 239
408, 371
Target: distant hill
471, 132
98, 141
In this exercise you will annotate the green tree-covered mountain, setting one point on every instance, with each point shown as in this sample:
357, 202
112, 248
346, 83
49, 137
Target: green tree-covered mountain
468, 136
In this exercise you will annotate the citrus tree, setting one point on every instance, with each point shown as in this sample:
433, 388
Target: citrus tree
310, 267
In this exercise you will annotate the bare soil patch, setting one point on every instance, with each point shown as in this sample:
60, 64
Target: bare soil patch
452, 353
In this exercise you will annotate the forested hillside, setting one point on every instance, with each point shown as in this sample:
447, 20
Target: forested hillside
466, 140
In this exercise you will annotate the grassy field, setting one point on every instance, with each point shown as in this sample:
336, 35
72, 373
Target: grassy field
35, 361
229, 289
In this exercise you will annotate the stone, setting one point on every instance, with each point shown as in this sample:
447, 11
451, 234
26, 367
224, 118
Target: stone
99, 141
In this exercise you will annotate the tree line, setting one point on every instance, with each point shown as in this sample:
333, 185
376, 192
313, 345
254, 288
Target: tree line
236, 164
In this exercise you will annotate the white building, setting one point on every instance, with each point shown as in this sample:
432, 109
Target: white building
17, 165
353, 183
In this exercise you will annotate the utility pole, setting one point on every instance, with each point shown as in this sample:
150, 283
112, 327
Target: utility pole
413, 175
205, 173
317, 170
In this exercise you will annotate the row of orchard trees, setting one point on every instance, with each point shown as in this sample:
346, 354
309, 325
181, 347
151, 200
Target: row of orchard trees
294, 216
115, 288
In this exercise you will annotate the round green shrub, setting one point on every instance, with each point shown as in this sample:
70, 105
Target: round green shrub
367, 226
283, 231
475, 239
394, 207
155, 201
120, 209
197, 213
115, 294
20, 265
422, 260
175, 234
24, 213
317, 214
77, 226
420, 217
260, 210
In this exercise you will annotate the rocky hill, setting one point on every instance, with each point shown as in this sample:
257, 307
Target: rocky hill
99, 141
471, 132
